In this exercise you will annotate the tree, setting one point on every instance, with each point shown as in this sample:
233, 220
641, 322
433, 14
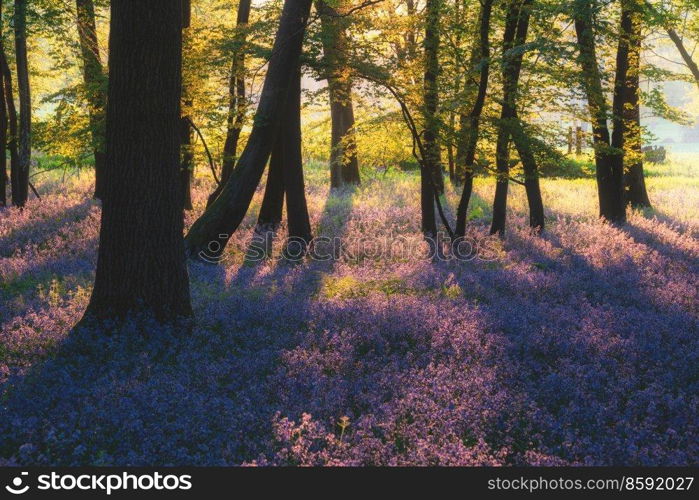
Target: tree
141, 263
210, 233
237, 100
3, 125
609, 170
344, 166
285, 177
626, 136
11, 114
514, 38
431, 169
469, 123
21, 192
94, 83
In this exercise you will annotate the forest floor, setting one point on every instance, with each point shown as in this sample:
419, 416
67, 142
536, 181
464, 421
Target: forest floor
579, 346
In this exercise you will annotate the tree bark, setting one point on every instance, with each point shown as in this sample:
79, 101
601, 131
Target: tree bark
630, 119
285, 177
141, 266
609, 173
25, 104
429, 184
344, 165
237, 99
9, 102
210, 233
3, 124
469, 124
515, 35
94, 82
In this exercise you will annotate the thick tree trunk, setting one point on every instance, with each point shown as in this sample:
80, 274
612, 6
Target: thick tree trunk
344, 166
609, 172
630, 120
431, 169
515, 35
210, 233
94, 82
469, 123
237, 99
141, 264
25, 104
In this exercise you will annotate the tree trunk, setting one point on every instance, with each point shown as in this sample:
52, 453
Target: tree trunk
515, 35
634, 181
609, 173
141, 265
431, 168
94, 82
210, 233
285, 176
237, 100
186, 161
3, 125
25, 104
270, 215
9, 102
296, 206
344, 166
468, 134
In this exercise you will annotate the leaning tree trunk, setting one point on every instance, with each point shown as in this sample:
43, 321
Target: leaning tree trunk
609, 173
94, 82
25, 104
431, 169
468, 134
634, 179
344, 165
210, 233
237, 100
141, 265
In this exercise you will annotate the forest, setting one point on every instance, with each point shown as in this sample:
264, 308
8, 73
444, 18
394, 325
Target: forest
349, 232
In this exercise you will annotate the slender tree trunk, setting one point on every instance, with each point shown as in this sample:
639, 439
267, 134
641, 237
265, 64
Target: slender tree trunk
270, 215
634, 179
344, 166
609, 172
94, 82
210, 233
186, 161
296, 206
515, 35
285, 176
186, 129
9, 101
141, 264
25, 103
3, 125
431, 168
469, 124
237, 99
